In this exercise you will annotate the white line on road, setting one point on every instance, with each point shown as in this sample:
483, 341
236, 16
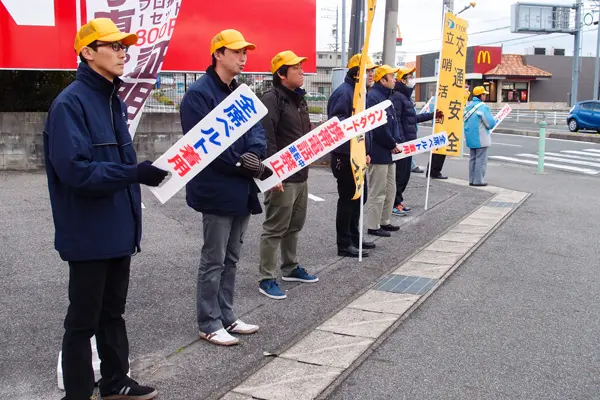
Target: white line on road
506, 144
564, 160
593, 150
556, 166
581, 153
549, 153
315, 198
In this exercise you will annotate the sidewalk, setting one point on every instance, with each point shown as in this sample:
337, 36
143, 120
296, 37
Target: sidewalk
165, 349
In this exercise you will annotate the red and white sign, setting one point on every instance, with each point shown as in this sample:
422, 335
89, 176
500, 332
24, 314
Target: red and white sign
320, 142
486, 58
41, 37
502, 114
421, 145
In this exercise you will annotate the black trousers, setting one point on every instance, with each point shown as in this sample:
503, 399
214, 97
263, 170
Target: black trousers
97, 296
403, 169
437, 163
348, 210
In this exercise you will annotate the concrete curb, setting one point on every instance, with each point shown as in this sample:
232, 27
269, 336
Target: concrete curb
317, 364
576, 137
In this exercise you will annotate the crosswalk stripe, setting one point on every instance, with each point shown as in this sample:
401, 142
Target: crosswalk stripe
593, 150
556, 166
549, 153
564, 160
581, 153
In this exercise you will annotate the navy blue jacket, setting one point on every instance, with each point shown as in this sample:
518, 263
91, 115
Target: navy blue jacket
406, 114
92, 171
386, 136
340, 105
220, 188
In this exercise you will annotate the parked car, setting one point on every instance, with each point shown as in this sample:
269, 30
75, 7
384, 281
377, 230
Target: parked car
584, 115
315, 96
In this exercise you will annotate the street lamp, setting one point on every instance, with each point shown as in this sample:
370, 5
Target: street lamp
471, 5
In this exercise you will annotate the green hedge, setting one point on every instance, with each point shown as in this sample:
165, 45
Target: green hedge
31, 91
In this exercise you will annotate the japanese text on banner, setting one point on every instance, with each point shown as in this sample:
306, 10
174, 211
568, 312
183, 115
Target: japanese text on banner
450, 97
502, 114
319, 142
421, 145
153, 21
237, 114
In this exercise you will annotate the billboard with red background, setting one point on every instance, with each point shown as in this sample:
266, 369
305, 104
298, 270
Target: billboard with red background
486, 58
41, 37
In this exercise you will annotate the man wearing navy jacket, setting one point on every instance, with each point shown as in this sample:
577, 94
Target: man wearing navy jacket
382, 173
348, 210
93, 180
223, 192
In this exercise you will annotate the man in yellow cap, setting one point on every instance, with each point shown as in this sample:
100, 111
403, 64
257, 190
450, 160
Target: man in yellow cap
94, 184
286, 204
340, 105
408, 121
224, 193
479, 122
382, 172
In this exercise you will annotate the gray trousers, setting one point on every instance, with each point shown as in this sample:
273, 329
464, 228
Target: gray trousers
223, 238
382, 191
478, 165
285, 216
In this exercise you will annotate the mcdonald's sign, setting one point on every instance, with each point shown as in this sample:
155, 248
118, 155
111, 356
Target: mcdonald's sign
486, 58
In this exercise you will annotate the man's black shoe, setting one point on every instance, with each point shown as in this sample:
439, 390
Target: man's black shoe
351, 251
390, 228
379, 232
417, 170
440, 176
368, 245
130, 390
479, 184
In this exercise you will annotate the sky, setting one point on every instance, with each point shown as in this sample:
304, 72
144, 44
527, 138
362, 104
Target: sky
420, 26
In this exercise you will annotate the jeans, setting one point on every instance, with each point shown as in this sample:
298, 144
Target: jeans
478, 165
97, 297
223, 238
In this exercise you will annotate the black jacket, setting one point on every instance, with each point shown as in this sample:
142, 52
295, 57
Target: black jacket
406, 114
384, 138
287, 121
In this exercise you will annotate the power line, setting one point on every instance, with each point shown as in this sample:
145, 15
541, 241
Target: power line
469, 33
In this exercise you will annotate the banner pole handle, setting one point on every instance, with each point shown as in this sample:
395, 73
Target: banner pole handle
428, 179
361, 221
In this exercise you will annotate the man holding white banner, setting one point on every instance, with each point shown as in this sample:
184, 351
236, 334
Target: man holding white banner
479, 123
287, 202
93, 180
382, 172
224, 192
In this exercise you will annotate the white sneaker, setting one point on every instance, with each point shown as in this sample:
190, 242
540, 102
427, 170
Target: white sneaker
220, 337
242, 328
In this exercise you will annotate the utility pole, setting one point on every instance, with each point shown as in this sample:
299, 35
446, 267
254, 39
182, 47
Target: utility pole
597, 65
450, 5
575, 84
354, 26
344, 56
390, 32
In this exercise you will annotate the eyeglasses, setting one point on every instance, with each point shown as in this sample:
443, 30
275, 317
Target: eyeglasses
116, 46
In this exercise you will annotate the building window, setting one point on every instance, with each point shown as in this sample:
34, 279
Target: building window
339, 56
320, 56
321, 89
515, 92
330, 57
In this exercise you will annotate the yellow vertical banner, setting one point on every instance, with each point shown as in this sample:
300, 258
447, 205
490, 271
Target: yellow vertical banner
450, 97
358, 151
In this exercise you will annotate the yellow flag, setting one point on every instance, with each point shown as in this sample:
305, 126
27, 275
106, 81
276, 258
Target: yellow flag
358, 151
450, 96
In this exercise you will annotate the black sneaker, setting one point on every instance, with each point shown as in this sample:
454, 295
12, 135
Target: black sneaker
390, 228
131, 390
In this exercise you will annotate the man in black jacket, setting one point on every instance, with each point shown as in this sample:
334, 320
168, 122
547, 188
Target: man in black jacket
407, 125
286, 203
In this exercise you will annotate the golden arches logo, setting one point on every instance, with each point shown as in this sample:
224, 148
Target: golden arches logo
484, 57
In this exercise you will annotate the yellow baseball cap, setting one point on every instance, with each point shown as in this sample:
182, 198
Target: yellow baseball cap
102, 29
403, 71
355, 62
382, 71
287, 57
231, 39
479, 90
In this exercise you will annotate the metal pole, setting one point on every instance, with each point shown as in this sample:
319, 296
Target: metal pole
337, 32
344, 60
575, 84
354, 23
542, 146
390, 31
597, 67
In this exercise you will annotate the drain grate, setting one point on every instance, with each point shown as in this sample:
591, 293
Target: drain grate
501, 204
406, 284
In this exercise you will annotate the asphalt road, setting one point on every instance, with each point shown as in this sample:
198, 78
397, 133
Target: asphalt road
518, 320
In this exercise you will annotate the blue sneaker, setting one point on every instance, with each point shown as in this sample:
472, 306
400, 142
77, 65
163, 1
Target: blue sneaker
399, 213
270, 288
404, 208
300, 275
